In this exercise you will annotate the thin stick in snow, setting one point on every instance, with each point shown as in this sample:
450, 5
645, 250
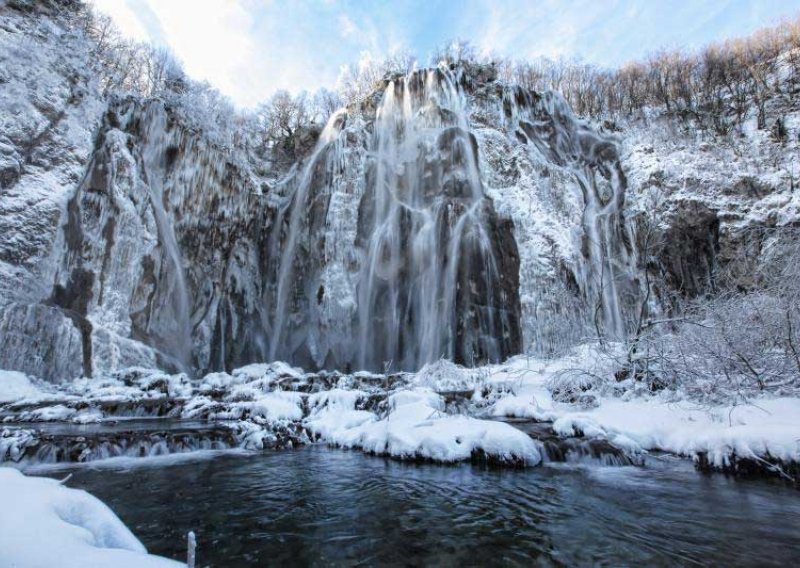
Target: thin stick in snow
191, 547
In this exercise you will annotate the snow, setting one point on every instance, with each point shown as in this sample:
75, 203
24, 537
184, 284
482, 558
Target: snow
132, 384
772, 428
13, 443
665, 421
576, 394
217, 382
446, 376
14, 386
416, 428
278, 406
333, 412
43, 523
336, 398
250, 380
271, 407
331, 425
57, 412
267, 370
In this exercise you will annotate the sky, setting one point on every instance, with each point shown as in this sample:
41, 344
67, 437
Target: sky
248, 49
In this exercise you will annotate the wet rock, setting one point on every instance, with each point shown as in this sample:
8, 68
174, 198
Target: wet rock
575, 448
750, 467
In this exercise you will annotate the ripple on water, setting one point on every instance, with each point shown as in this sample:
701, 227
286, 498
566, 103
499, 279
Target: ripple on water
318, 506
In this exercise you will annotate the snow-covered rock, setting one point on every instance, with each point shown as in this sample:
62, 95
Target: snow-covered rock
767, 428
417, 428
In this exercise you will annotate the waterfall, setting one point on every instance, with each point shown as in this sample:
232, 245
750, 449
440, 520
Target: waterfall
177, 341
601, 214
428, 282
297, 207
433, 271
605, 264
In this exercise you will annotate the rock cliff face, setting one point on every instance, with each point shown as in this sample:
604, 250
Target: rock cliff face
49, 109
449, 215
720, 202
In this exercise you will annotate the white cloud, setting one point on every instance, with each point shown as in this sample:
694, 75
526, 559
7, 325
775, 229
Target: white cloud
212, 39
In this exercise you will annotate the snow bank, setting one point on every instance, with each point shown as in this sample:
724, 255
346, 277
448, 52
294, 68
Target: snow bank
248, 381
516, 406
43, 523
410, 421
270, 371
271, 407
416, 428
56, 412
768, 427
333, 412
336, 398
133, 383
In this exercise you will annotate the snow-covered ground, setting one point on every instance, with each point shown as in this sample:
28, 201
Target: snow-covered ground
44, 523
442, 413
665, 421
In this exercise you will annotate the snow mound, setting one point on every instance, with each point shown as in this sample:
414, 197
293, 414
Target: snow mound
333, 412
416, 428
768, 428
43, 523
134, 383
270, 371
517, 406
272, 407
336, 398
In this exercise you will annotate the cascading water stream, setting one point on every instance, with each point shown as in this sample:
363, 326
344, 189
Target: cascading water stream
606, 268
427, 228
297, 208
599, 217
178, 343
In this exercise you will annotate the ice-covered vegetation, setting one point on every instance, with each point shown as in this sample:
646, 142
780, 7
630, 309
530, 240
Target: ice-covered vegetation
735, 342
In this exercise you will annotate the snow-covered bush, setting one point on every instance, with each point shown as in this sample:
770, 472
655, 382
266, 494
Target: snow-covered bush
740, 342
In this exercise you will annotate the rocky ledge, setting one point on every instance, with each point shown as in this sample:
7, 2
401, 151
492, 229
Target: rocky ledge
513, 415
